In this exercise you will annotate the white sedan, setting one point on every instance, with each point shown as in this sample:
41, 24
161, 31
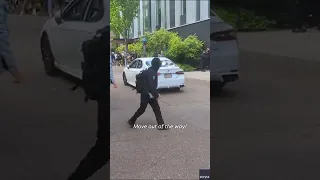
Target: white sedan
224, 52
62, 36
169, 74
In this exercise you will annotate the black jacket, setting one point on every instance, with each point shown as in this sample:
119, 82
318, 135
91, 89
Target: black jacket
152, 78
104, 65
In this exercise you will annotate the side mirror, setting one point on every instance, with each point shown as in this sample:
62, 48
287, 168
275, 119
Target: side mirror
128, 66
57, 17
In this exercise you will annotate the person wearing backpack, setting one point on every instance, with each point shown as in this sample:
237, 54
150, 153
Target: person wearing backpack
112, 81
149, 94
96, 83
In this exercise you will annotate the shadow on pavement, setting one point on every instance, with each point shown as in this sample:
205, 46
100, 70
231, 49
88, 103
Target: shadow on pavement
170, 91
67, 78
222, 94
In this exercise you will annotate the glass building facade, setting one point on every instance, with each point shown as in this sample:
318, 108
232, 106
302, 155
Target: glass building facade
169, 14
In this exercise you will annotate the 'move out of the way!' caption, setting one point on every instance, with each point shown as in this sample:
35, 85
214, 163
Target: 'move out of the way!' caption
139, 126
204, 174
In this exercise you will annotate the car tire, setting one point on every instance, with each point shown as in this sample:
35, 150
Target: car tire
47, 57
125, 81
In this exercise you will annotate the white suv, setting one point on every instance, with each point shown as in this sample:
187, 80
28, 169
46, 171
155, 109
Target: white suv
62, 36
224, 52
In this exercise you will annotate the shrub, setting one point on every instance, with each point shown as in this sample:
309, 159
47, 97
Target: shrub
133, 48
176, 49
158, 41
121, 48
181, 51
136, 48
248, 20
193, 51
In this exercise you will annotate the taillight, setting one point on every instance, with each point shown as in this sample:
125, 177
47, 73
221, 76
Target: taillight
158, 74
180, 72
224, 36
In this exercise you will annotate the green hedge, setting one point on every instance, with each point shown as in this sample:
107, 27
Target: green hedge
185, 51
245, 20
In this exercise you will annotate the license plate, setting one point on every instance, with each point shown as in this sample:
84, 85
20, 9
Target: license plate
167, 75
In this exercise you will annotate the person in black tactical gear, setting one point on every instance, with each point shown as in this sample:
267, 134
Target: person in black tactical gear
204, 60
150, 95
99, 155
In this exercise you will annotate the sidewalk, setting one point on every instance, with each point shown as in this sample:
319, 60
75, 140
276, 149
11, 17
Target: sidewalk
204, 76
283, 43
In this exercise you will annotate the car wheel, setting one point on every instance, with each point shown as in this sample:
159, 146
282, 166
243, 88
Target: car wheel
125, 81
47, 57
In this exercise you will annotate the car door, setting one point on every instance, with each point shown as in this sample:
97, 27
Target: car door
80, 21
137, 70
130, 73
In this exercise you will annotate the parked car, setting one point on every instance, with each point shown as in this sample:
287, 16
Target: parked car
62, 36
224, 53
169, 74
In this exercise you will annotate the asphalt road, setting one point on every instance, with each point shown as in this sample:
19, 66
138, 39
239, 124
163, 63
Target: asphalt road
266, 126
46, 129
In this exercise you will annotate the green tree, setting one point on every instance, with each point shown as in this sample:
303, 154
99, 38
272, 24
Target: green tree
122, 13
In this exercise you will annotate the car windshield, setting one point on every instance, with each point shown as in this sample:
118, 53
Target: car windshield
164, 63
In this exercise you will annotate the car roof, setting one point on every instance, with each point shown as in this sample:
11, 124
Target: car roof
144, 59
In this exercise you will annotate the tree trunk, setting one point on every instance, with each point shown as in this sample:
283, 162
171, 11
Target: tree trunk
127, 49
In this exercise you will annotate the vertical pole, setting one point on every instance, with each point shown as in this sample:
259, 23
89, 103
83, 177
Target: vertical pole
144, 50
50, 8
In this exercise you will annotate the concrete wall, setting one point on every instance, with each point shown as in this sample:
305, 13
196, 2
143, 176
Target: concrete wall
201, 29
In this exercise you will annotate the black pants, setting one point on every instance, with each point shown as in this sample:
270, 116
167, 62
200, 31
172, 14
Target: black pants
202, 65
144, 101
99, 154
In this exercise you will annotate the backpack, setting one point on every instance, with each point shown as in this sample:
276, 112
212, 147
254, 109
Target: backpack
141, 81
94, 51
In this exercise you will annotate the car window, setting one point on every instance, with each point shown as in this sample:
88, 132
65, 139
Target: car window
164, 63
133, 64
139, 64
76, 11
96, 11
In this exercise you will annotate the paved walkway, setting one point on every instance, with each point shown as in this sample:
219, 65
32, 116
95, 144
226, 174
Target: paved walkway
204, 76
283, 43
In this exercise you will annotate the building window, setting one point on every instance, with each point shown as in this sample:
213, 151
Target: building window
165, 14
197, 10
172, 13
146, 16
158, 14
184, 7
209, 9
183, 16
139, 23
